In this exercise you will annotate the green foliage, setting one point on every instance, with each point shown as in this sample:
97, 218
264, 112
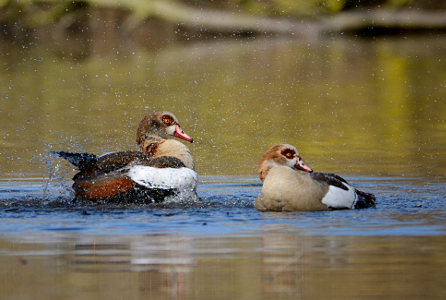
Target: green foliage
291, 7
40, 12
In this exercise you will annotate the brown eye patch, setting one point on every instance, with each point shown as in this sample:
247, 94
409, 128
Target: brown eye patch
288, 153
167, 120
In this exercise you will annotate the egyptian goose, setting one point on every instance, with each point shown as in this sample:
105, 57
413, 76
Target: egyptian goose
162, 170
284, 189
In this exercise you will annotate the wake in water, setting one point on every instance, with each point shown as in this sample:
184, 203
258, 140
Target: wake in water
19, 193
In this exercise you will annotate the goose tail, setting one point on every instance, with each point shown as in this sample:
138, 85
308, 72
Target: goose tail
365, 200
80, 160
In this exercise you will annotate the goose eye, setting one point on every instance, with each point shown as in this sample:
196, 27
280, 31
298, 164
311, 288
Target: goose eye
167, 121
288, 153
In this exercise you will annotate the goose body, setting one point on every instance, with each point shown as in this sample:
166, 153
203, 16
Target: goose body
284, 189
163, 170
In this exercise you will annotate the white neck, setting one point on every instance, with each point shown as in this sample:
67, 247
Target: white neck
265, 166
176, 149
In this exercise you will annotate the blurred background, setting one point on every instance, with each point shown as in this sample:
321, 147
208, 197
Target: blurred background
357, 86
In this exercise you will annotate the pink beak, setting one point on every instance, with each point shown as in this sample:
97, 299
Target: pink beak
301, 166
179, 133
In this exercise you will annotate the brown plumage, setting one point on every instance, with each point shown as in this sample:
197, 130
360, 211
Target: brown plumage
106, 177
284, 189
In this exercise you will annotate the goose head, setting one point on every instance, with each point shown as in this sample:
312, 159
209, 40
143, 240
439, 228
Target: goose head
281, 155
158, 126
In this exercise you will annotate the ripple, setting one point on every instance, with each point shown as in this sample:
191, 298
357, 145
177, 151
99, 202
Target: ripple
413, 206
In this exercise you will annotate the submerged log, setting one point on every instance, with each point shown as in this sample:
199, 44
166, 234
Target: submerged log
233, 22
405, 19
208, 20
211, 21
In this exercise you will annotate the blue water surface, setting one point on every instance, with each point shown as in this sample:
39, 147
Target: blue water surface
405, 206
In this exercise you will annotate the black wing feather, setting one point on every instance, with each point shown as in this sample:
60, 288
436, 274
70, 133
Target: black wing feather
330, 179
80, 160
364, 200
117, 160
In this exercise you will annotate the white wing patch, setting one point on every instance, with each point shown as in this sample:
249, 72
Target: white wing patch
340, 198
104, 154
164, 178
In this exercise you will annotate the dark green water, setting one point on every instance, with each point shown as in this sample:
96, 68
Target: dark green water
351, 106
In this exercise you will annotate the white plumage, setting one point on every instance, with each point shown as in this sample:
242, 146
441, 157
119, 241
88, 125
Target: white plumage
339, 198
164, 178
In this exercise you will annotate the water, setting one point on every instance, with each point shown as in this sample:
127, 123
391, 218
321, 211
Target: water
369, 110
222, 246
407, 206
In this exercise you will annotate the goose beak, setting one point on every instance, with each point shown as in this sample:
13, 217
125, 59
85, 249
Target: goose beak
179, 133
301, 166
